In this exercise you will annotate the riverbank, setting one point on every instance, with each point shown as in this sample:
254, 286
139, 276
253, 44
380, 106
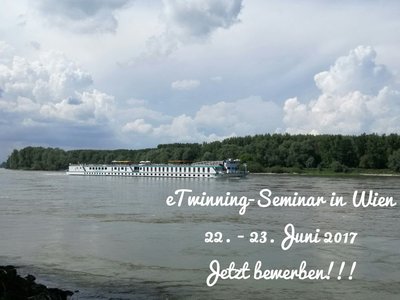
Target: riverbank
350, 172
15, 287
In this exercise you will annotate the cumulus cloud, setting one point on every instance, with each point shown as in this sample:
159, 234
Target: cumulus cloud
50, 78
137, 126
83, 16
244, 116
354, 72
90, 107
357, 95
49, 91
213, 122
185, 85
50, 99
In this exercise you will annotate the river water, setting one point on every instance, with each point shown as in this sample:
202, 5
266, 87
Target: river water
115, 237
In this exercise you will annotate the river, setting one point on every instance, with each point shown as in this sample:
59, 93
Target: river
116, 238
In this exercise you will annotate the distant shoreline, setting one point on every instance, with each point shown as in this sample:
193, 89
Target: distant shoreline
267, 153
328, 172
331, 174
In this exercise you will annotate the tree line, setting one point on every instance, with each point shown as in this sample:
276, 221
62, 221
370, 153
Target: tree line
262, 153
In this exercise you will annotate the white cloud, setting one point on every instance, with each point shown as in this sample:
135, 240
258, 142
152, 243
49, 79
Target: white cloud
138, 126
185, 85
50, 100
90, 107
182, 128
50, 90
213, 122
21, 104
50, 78
244, 116
354, 72
357, 95
83, 16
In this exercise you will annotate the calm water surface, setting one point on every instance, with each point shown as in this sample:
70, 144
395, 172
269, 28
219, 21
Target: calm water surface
115, 238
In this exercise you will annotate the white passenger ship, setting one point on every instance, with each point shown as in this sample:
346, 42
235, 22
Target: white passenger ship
206, 169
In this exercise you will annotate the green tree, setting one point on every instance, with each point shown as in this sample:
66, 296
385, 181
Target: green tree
394, 161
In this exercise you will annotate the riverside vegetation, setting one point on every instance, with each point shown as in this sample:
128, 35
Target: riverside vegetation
275, 153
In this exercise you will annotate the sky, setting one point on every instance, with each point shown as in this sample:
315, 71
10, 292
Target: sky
109, 74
